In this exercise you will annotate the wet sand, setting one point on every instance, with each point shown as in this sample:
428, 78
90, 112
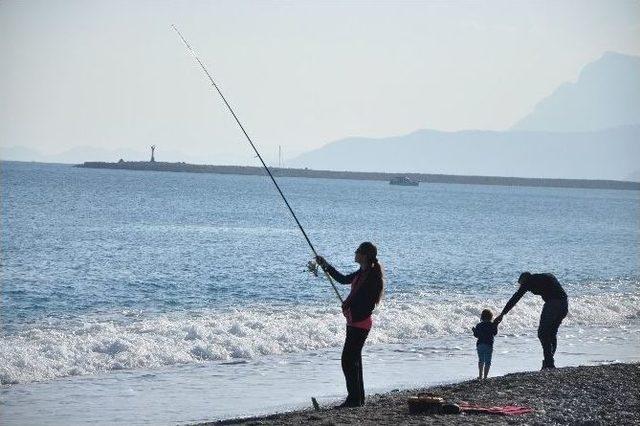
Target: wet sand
594, 395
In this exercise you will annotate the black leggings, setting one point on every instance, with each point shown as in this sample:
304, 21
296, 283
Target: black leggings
352, 363
553, 312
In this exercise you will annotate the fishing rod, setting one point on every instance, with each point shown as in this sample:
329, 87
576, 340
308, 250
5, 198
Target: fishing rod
213, 83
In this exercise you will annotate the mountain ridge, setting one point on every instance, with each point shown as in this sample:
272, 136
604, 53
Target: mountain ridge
606, 94
587, 129
605, 154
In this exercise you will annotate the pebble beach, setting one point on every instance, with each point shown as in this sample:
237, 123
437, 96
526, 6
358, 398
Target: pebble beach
594, 395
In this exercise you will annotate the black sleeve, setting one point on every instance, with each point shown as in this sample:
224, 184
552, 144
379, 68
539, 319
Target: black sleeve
475, 331
494, 328
514, 299
342, 279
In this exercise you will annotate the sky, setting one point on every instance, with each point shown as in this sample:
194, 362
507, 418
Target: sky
113, 74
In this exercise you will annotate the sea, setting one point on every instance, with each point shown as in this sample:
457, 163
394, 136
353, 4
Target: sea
133, 297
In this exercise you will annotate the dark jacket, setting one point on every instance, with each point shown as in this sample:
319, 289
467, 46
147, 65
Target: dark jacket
485, 331
362, 303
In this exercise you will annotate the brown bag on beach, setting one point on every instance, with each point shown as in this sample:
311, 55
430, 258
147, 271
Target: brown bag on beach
425, 403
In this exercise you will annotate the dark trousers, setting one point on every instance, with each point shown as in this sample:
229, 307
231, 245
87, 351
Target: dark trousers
352, 363
553, 312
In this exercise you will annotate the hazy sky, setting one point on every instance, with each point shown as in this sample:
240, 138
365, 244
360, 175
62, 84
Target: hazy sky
114, 74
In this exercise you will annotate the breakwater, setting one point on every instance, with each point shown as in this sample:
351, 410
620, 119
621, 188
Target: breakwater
331, 174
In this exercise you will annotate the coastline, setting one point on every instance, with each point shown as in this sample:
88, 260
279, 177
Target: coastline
604, 394
378, 176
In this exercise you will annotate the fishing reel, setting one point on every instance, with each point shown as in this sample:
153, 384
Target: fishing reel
312, 267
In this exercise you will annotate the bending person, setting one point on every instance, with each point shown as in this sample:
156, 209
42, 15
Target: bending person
553, 312
366, 291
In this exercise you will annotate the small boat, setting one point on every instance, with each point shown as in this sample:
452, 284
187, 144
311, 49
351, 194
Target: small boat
403, 181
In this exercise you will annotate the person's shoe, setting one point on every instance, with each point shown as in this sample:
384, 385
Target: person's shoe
348, 403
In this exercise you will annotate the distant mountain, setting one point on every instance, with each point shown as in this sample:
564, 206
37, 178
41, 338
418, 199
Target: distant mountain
589, 129
74, 155
20, 153
606, 154
80, 154
606, 94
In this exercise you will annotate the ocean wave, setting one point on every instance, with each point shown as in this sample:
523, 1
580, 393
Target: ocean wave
97, 345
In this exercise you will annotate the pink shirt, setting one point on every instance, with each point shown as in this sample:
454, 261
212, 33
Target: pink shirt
368, 321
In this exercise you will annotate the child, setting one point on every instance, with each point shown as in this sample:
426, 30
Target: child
484, 331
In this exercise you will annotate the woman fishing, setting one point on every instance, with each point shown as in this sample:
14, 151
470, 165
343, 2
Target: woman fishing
366, 291
366, 283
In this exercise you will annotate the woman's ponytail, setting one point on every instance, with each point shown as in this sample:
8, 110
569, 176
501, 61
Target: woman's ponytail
377, 269
375, 265
371, 251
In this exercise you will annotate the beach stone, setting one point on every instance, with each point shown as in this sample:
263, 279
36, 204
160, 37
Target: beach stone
589, 395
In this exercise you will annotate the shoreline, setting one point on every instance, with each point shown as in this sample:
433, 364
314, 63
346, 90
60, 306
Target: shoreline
378, 176
603, 394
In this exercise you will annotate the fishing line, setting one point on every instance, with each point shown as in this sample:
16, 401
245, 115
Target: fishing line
213, 83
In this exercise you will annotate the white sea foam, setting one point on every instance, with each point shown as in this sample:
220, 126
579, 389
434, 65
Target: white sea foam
170, 339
